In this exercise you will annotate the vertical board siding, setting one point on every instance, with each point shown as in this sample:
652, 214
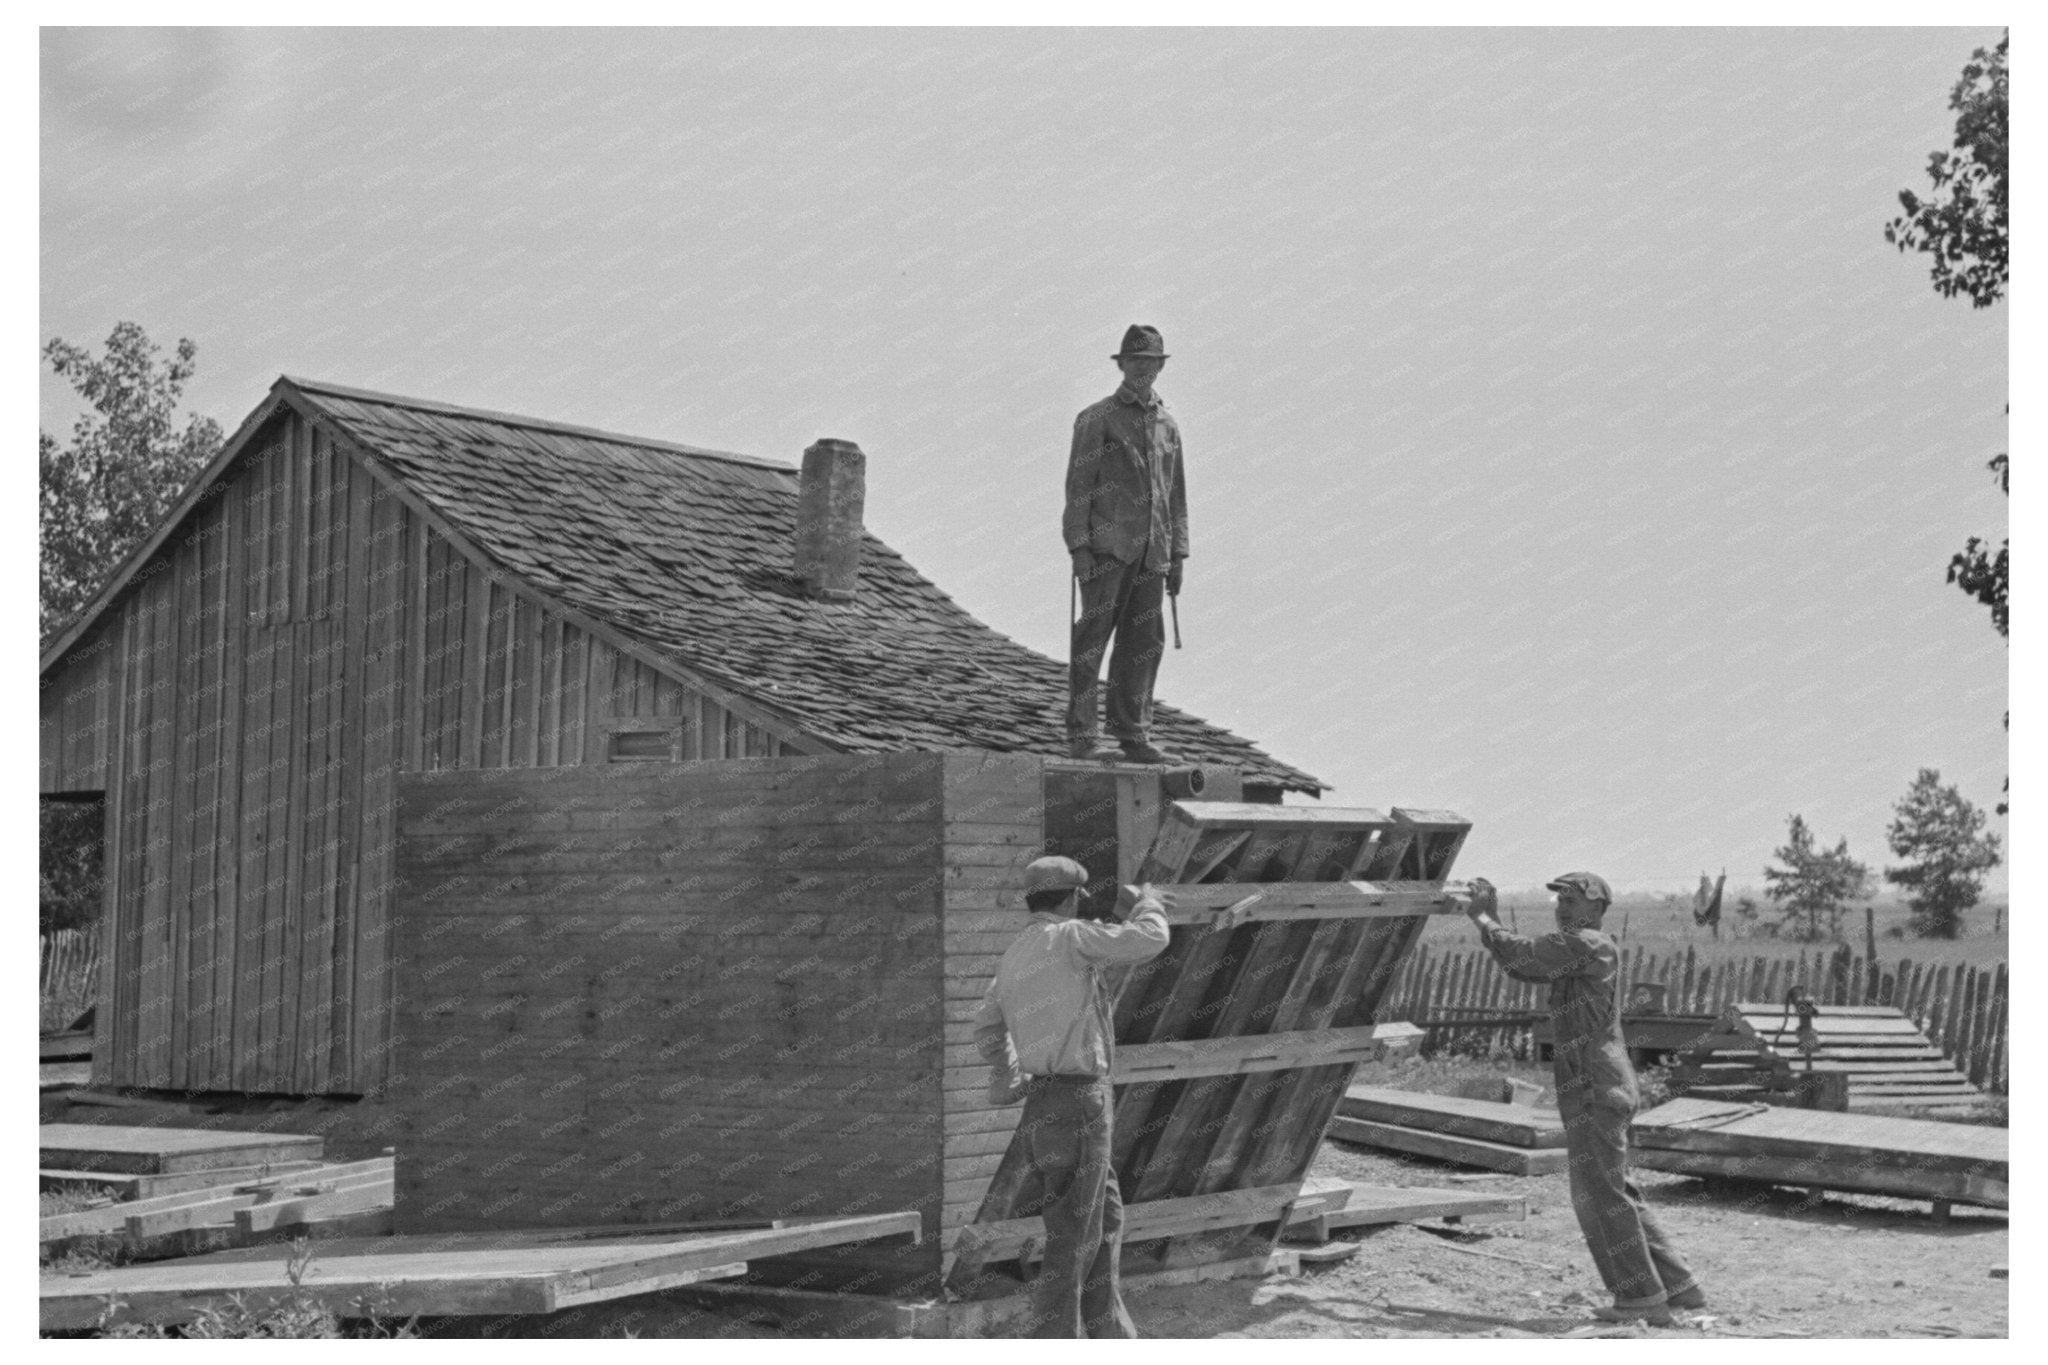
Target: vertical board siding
673, 991
1003, 798
247, 708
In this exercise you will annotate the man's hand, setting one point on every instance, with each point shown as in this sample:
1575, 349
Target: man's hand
1129, 898
1173, 578
1483, 900
1084, 564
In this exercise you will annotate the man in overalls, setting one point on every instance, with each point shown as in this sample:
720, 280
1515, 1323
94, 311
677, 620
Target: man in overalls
1596, 1094
1048, 1016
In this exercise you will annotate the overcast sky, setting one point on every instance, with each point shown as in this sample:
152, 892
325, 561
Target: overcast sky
1565, 445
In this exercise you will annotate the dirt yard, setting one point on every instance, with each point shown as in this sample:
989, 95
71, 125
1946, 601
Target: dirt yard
1774, 1264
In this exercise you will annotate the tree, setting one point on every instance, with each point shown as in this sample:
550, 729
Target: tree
1941, 834
1963, 226
99, 496
69, 854
1977, 572
126, 463
1813, 887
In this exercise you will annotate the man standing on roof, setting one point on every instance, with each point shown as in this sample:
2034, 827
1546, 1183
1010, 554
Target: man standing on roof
1126, 526
1596, 1094
1048, 1016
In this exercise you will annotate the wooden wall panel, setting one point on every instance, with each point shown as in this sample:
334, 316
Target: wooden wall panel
670, 991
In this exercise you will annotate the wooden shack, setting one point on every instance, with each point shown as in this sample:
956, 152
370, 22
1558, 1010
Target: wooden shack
363, 587
677, 992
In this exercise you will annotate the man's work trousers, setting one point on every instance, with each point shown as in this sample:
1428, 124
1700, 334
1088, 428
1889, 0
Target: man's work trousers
1127, 601
1065, 1131
1634, 1255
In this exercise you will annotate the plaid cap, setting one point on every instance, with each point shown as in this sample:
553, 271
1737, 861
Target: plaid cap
1587, 884
1054, 874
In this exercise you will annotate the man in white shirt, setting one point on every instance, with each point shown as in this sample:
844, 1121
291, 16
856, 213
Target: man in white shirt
1049, 1016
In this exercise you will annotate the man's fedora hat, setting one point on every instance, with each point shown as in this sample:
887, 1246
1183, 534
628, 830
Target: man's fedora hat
1140, 340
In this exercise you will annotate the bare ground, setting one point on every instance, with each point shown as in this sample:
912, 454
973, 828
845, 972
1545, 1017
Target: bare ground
1774, 1263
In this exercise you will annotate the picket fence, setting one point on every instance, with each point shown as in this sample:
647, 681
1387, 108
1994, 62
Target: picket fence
1461, 996
70, 975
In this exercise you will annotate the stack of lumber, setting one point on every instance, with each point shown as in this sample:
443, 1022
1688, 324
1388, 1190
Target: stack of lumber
176, 1191
1866, 1153
322, 1200
1882, 1056
1518, 1139
541, 1271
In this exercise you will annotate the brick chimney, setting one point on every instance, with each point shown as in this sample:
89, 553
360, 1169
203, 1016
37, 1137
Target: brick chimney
830, 495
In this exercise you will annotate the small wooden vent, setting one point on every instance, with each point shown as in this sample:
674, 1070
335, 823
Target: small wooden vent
643, 746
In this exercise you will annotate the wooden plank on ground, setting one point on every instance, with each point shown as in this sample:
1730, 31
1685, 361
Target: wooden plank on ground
1142, 1222
1515, 1125
161, 1151
1371, 1205
1462, 1151
227, 1193
815, 1313
403, 1279
126, 1186
1822, 1135
1906, 1182
225, 1206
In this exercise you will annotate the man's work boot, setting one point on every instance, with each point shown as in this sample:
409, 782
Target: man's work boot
1690, 1297
1656, 1314
1093, 748
1144, 751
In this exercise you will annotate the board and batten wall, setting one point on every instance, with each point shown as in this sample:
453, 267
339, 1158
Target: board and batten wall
300, 639
686, 991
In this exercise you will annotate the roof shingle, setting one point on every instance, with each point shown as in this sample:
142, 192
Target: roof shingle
688, 551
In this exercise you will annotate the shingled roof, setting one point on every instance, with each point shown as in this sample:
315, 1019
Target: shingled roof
688, 551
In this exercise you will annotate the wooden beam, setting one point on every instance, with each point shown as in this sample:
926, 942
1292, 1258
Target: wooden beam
293, 1209
1197, 904
1142, 1222
1461, 1151
1258, 815
1179, 1061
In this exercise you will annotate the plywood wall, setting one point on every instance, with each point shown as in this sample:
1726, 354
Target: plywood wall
680, 991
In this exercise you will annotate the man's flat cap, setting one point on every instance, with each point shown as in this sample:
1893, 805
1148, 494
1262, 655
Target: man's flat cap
1587, 884
1054, 874
1140, 340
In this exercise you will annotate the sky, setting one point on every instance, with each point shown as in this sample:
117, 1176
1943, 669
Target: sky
1565, 445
